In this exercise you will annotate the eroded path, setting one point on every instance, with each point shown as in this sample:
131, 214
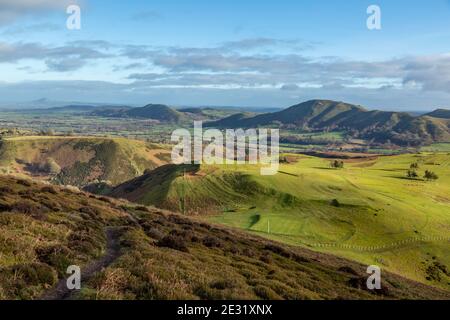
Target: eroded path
61, 292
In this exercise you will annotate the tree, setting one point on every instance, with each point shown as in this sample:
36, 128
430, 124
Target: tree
412, 174
430, 175
337, 164
414, 166
335, 203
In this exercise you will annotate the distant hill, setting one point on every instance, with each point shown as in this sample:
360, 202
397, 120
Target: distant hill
319, 115
440, 113
158, 112
72, 109
166, 114
79, 161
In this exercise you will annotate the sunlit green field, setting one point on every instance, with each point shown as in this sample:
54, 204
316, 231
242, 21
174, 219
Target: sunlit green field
381, 217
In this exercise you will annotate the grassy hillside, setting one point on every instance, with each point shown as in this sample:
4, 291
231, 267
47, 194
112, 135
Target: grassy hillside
129, 252
79, 161
369, 211
318, 115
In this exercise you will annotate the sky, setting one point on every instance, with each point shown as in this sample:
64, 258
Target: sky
227, 52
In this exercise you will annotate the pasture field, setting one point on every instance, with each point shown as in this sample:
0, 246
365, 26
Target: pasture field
437, 147
369, 211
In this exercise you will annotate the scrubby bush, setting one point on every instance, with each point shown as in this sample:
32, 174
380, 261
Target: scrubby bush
29, 208
335, 203
49, 189
173, 242
57, 256
34, 274
212, 242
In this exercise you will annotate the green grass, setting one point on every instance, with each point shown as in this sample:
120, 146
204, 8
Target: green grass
161, 255
383, 218
380, 209
437, 147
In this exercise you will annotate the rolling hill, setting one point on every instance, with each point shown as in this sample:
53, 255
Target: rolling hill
369, 211
319, 115
158, 112
166, 114
133, 252
79, 161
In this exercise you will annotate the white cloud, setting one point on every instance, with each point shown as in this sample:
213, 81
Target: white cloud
10, 10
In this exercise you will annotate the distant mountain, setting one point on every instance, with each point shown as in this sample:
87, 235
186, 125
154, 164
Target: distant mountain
319, 115
440, 113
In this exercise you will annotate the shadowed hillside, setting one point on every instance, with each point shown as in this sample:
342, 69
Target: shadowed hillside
130, 252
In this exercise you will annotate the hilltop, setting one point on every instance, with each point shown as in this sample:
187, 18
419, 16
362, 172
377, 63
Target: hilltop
135, 252
168, 115
440, 113
326, 115
158, 112
368, 207
79, 161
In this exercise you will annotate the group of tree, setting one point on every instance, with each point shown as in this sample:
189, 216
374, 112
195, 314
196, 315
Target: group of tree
337, 164
429, 175
412, 173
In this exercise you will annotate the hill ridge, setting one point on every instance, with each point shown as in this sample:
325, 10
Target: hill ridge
318, 115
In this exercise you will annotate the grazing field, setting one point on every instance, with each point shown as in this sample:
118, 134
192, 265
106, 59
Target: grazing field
437, 147
368, 211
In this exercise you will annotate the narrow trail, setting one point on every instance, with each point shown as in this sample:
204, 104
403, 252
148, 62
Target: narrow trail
61, 292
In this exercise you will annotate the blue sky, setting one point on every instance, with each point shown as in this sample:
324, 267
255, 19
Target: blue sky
244, 53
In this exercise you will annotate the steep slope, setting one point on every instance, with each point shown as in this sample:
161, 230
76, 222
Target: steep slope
79, 161
369, 211
317, 115
129, 252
